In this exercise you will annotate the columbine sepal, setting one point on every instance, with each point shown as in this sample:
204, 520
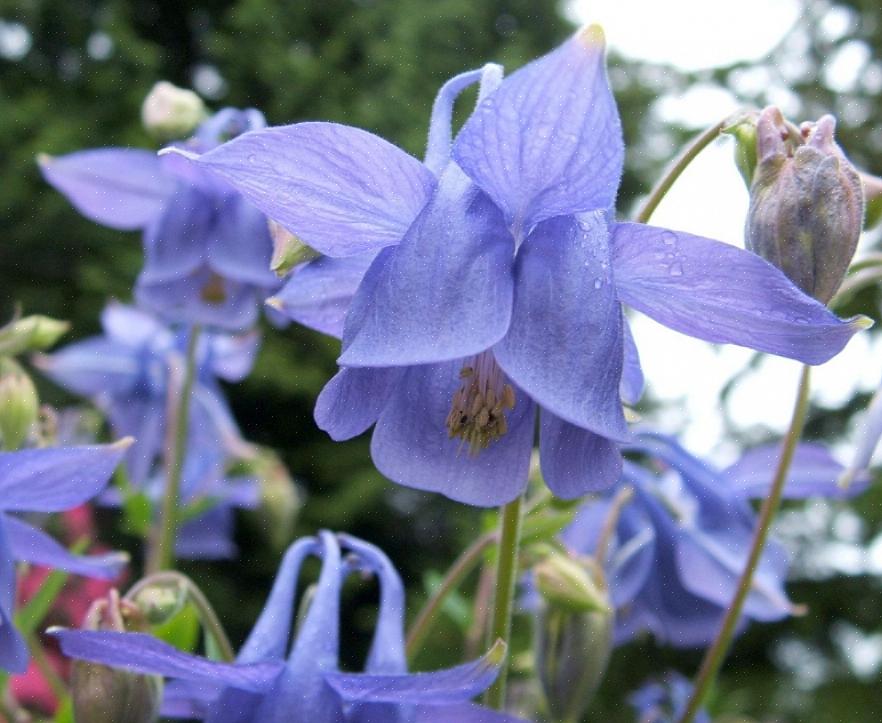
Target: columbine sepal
574, 634
108, 695
19, 405
170, 112
806, 203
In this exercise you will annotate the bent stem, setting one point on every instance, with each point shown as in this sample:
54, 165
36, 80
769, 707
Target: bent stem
506, 573
162, 539
677, 167
713, 658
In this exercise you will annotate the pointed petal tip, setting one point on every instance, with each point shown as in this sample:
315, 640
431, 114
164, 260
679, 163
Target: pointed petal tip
592, 36
171, 150
55, 629
497, 653
124, 443
44, 159
861, 322
275, 302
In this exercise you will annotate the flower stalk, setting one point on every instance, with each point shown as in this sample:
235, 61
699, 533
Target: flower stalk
715, 655
161, 553
506, 574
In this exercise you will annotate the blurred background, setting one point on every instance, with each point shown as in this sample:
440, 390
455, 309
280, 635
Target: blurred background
73, 75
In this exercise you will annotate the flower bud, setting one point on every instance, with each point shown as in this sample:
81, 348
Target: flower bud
573, 635
872, 199
806, 203
19, 405
288, 250
280, 501
30, 333
161, 600
170, 112
102, 694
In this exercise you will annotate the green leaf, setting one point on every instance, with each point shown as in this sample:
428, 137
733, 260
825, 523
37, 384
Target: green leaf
182, 630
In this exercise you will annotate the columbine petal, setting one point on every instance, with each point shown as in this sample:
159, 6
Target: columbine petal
240, 246
411, 445
134, 328
342, 190
208, 536
318, 294
143, 419
145, 654
13, 650
29, 544
720, 293
446, 291
353, 399
461, 713
56, 478
813, 472
564, 345
575, 461
440, 124
457, 684
117, 187
174, 244
90, 367
232, 356
548, 142
631, 386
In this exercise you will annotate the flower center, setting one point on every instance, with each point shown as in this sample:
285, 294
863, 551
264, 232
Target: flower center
213, 292
477, 414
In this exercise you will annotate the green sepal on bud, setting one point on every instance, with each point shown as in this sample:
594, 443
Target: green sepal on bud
30, 333
161, 600
743, 130
19, 405
806, 203
872, 199
288, 250
169, 112
102, 694
574, 634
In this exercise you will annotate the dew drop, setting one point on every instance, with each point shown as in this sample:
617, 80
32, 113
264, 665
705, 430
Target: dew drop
669, 238
252, 158
676, 269
598, 283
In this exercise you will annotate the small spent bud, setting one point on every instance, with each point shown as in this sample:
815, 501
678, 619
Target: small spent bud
102, 694
743, 130
169, 112
30, 333
288, 250
19, 405
806, 203
566, 583
573, 647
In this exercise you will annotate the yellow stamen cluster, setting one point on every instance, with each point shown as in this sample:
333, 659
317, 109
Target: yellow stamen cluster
477, 414
214, 292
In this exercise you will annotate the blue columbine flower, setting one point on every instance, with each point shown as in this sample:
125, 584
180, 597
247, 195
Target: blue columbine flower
46, 480
498, 277
681, 543
665, 701
271, 683
134, 371
207, 250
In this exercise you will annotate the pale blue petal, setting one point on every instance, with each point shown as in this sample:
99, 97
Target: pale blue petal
13, 650
631, 386
440, 124
353, 400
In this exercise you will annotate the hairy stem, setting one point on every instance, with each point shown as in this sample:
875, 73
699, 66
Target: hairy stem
713, 658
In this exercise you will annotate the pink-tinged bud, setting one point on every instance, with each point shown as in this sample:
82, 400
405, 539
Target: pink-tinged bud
806, 203
109, 695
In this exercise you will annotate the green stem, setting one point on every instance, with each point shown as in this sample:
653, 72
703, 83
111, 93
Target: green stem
506, 575
713, 658
677, 167
50, 675
161, 554
207, 616
459, 570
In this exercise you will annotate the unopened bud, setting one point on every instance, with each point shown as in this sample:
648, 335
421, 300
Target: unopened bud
573, 635
30, 333
743, 130
160, 601
19, 405
806, 203
170, 112
109, 695
279, 499
288, 250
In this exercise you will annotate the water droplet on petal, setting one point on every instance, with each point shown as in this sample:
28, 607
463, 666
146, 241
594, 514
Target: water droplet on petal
598, 283
676, 269
669, 238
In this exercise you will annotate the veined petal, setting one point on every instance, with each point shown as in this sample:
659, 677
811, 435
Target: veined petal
56, 478
318, 294
574, 460
176, 242
122, 188
446, 290
353, 400
29, 544
411, 443
631, 386
453, 685
564, 345
145, 654
724, 294
342, 190
440, 124
240, 246
548, 142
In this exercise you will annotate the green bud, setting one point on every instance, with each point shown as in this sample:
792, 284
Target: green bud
102, 694
872, 199
30, 333
806, 203
573, 649
170, 112
280, 501
160, 601
566, 583
19, 405
743, 130
288, 250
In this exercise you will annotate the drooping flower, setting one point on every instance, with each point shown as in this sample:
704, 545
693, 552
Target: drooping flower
680, 545
271, 682
497, 280
206, 249
46, 480
134, 371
